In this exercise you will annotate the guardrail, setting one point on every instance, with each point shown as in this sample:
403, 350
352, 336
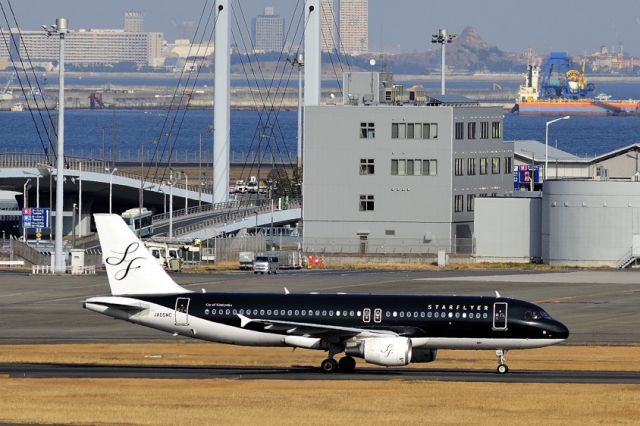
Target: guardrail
73, 270
231, 217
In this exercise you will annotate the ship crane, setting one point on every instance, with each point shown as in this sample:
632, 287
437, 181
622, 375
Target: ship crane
559, 81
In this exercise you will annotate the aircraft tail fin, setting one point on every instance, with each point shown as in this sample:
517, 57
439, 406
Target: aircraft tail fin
131, 269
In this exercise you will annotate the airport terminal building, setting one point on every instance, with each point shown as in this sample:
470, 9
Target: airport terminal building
398, 171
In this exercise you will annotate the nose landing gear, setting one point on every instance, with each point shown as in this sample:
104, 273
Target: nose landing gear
502, 361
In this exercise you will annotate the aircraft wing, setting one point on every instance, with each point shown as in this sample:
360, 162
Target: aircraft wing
316, 330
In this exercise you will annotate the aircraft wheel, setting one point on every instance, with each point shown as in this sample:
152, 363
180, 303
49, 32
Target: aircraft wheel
503, 369
329, 365
347, 364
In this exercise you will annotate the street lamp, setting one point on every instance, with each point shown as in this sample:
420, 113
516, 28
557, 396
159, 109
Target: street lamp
172, 181
546, 142
299, 61
186, 190
25, 195
61, 29
111, 172
443, 38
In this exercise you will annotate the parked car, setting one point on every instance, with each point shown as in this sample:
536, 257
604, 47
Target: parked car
268, 264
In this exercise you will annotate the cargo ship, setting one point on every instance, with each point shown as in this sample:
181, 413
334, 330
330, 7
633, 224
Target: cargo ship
559, 90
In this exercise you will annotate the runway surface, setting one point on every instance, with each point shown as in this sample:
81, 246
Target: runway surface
599, 307
310, 373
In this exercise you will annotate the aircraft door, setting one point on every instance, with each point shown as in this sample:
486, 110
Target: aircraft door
182, 311
500, 316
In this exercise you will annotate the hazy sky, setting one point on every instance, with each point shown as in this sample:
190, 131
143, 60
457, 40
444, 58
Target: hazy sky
514, 25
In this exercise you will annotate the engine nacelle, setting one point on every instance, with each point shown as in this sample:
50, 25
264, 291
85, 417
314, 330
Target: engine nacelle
385, 351
423, 355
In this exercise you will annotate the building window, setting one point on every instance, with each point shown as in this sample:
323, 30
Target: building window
470, 198
471, 130
390, 232
458, 203
394, 167
433, 167
459, 131
417, 130
495, 165
410, 167
417, 167
430, 131
496, 132
484, 130
484, 162
508, 165
394, 130
410, 131
471, 166
367, 130
402, 167
367, 166
458, 166
366, 203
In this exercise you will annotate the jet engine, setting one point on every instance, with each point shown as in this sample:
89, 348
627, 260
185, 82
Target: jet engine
385, 351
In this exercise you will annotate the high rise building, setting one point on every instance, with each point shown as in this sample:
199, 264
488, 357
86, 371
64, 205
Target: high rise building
268, 31
328, 25
354, 26
133, 21
92, 47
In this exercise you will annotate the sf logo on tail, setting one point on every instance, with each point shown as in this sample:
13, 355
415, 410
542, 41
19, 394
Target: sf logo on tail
125, 261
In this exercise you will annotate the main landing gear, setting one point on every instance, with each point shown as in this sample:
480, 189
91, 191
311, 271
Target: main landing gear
502, 361
346, 365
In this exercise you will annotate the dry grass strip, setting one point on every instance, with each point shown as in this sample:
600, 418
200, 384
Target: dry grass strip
175, 402
181, 352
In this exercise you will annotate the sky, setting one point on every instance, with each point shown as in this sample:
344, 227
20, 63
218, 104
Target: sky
398, 25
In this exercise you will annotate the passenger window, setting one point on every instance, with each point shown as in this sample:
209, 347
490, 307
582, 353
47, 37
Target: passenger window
377, 315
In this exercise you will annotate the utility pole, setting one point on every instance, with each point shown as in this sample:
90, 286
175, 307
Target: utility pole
61, 29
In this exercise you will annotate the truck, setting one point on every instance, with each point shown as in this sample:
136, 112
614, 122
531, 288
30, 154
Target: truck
287, 259
168, 256
246, 259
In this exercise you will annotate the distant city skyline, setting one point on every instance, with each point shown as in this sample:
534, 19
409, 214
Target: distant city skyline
403, 25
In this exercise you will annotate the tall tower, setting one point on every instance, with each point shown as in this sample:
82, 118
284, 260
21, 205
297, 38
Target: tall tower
328, 25
134, 21
268, 31
354, 26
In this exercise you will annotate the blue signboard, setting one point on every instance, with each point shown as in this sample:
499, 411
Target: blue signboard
36, 218
523, 174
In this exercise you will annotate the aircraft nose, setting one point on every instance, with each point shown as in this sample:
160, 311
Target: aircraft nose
559, 331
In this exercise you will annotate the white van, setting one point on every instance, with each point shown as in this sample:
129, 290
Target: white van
268, 264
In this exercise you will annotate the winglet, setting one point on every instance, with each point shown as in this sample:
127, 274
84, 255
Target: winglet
244, 320
497, 294
286, 291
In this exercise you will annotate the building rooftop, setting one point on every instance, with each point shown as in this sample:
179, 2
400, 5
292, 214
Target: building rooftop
534, 150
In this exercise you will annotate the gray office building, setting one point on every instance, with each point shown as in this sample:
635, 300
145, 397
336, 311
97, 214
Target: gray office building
268, 31
397, 171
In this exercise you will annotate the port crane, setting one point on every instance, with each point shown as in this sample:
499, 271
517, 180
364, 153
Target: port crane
6, 94
559, 80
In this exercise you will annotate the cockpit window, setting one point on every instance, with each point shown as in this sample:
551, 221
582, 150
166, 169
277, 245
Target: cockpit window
544, 315
532, 315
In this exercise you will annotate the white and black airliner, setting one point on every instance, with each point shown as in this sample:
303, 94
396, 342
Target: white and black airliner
386, 330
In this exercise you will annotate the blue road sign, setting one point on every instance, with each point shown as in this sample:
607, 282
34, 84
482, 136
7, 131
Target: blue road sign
36, 218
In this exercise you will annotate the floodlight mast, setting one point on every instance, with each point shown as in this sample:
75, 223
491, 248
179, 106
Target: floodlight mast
61, 29
443, 38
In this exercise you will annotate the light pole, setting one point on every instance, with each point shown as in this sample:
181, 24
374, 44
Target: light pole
186, 195
443, 38
111, 172
172, 181
79, 201
299, 61
546, 142
208, 130
60, 28
25, 194
25, 204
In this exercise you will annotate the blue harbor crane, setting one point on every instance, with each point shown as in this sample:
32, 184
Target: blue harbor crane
559, 80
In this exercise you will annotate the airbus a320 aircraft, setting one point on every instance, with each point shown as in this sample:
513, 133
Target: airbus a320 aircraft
382, 329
